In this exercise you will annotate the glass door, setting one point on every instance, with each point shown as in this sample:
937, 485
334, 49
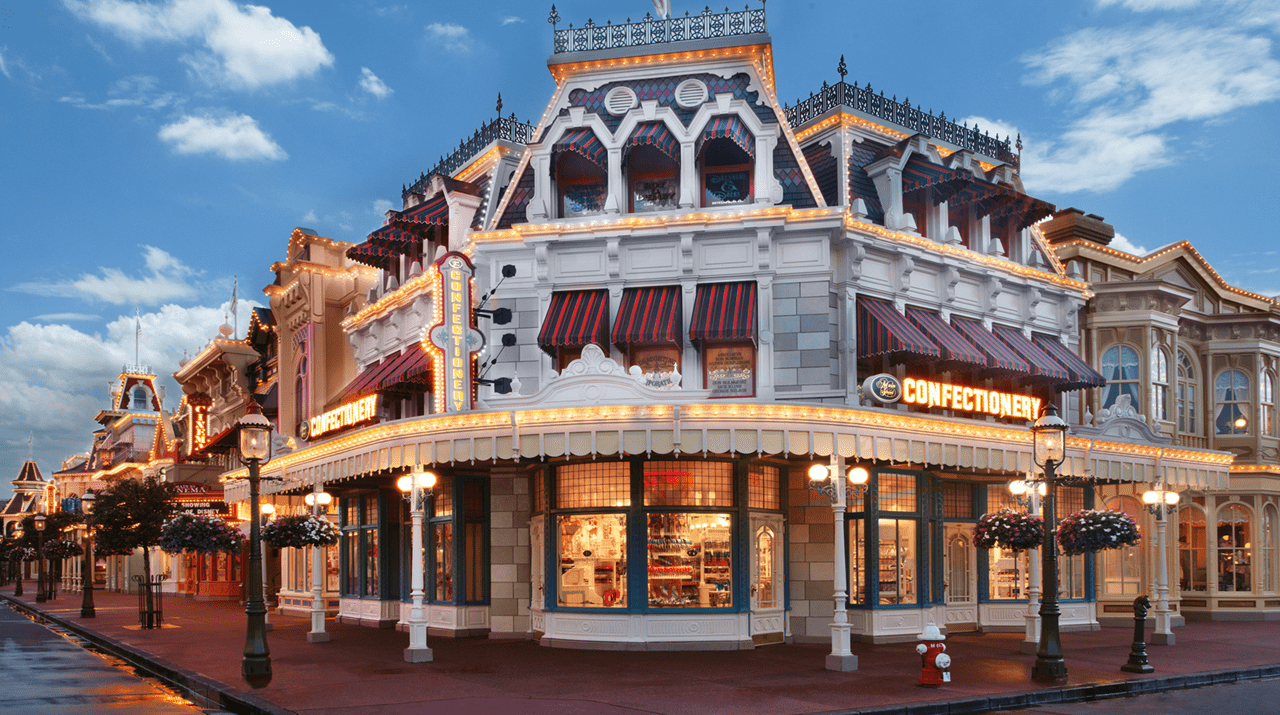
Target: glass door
768, 618
960, 576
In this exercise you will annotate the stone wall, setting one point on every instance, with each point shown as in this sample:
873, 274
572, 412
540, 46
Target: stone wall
509, 576
806, 337
811, 550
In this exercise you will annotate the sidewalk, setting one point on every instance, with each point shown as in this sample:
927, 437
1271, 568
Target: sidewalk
362, 668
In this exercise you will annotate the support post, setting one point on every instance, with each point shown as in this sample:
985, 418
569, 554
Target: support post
1031, 641
1049, 667
318, 633
417, 652
87, 609
1163, 634
841, 658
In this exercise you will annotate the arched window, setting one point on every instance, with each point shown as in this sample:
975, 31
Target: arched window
1187, 389
299, 394
1120, 367
140, 398
581, 173
1268, 580
1159, 384
1267, 408
652, 165
1122, 568
726, 152
1192, 574
1231, 398
1235, 548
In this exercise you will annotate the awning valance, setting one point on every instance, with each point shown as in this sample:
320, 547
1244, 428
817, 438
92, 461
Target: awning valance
998, 354
420, 219
1041, 364
882, 330
394, 239
371, 254
953, 345
724, 311
728, 127
583, 142
1081, 374
657, 135
649, 316
575, 318
919, 172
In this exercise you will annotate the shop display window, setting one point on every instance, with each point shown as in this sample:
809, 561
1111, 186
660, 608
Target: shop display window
593, 560
690, 561
593, 484
763, 491
361, 545
1122, 568
857, 562
352, 551
688, 483
730, 369
658, 364
897, 561
1235, 547
1008, 573
1192, 566
442, 537
371, 562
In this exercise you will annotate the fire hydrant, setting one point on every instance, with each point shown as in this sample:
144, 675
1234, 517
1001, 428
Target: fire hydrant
933, 661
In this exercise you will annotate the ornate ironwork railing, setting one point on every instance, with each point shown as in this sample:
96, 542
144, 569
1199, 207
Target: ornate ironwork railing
656, 30
935, 126
508, 128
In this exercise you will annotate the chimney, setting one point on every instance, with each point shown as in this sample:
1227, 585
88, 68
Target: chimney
1071, 224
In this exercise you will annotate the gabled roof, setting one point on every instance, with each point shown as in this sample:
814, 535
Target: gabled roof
29, 475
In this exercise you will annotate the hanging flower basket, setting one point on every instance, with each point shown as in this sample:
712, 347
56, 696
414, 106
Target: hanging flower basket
1092, 530
296, 532
63, 549
199, 535
106, 551
22, 553
1008, 529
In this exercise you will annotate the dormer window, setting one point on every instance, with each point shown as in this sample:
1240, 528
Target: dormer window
727, 153
653, 168
581, 172
140, 398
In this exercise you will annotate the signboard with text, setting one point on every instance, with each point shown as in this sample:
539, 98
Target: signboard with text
887, 389
454, 339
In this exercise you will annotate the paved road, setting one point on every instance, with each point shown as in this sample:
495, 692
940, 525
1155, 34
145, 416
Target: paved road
43, 673
1251, 697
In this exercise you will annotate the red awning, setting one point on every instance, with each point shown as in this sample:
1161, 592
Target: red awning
584, 143
1041, 364
373, 255
410, 367
421, 219
953, 345
919, 172
999, 355
649, 316
575, 319
1082, 375
724, 311
657, 135
394, 239
882, 330
728, 127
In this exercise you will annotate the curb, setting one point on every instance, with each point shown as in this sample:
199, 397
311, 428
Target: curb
202, 690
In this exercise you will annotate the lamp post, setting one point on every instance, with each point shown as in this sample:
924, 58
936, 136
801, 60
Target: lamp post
17, 534
41, 595
824, 478
255, 442
318, 500
86, 567
1028, 493
1050, 437
1161, 502
417, 487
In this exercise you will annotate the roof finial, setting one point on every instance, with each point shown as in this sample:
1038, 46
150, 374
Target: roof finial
554, 17
841, 69
499, 105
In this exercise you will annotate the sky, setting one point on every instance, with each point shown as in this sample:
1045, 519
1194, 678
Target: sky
157, 152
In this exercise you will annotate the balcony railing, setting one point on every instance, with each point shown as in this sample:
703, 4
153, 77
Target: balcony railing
508, 128
1192, 441
655, 30
934, 126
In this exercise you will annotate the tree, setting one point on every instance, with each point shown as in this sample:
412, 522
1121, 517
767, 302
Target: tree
131, 514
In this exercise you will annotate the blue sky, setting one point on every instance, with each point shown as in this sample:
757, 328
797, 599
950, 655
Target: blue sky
156, 149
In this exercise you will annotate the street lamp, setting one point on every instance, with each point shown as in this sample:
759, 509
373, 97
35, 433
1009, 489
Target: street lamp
17, 534
41, 596
1161, 502
255, 443
1050, 437
823, 478
319, 501
86, 567
413, 486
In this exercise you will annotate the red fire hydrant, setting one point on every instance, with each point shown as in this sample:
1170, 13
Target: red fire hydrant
934, 663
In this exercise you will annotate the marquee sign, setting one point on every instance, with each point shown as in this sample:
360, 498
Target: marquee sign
887, 389
454, 339
352, 413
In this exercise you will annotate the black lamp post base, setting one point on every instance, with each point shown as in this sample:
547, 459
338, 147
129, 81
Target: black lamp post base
1049, 671
256, 671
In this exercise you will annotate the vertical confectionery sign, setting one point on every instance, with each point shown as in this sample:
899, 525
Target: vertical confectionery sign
731, 370
453, 339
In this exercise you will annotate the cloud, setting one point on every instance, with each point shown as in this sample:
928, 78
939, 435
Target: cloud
381, 206
370, 83
454, 38
245, 46
310, 216
1146, 5
4, 67
510, 19
234, 137
1122, 243
1132, 87
131, 91
67, 317
166, 279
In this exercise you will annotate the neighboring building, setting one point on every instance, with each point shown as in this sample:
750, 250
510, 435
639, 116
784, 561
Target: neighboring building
30, 496
700, 282
1196, 360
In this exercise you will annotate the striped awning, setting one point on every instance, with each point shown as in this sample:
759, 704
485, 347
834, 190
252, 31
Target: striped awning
575, 318
371, 254
1082, 375
583, 142
919, 172
1041, 364
649, 316
394, 239
882, 330
410, 367
657, 135
728, 127
724, 311
999, 355
421, 219
953, 345
998, 200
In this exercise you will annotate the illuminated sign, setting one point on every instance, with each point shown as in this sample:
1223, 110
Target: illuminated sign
928, 393
454, 338
199, 427
882, 388
352, 413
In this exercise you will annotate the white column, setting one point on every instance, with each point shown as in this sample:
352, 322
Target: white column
318, 633
841, 657
1163, 634
417, 652
1032, 639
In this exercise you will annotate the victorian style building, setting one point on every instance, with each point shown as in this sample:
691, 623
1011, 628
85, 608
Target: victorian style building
622, 337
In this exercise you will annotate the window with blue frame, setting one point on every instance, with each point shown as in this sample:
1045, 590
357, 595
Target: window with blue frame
899, 532
457, 546
360, 545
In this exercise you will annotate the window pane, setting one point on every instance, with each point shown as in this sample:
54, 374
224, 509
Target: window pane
443, 539
766, 595
897, 492
1234, 548
370, 510
727, 187
583, 199
857, 562
957, 566
690, 561
731, 370
475, 561
957, 501
593, 484
897, 561
764, 487
539, 491
442, 498
688, 483
655, 193
1192, 569
353, 564
1008, 573
371, 562
593, 560
998, 497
